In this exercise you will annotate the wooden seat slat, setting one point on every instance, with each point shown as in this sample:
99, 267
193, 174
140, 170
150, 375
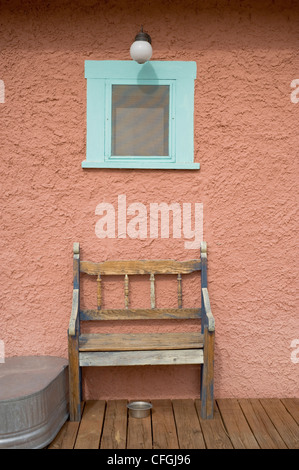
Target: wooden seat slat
141, 358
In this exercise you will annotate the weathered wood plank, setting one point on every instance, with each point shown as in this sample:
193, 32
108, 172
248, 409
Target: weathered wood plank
115, 426
180, 295
272, 424
139, 433
208, 318
141, 314
74, 314
283, 421
74, 379
153, 294
236, 424
76, 248
76, 265
91, 425
126, 291
140, 267
207, 375
188, 428
204, 280
99, 292
142, 358
214, 433
66, 437
292, 405
261, 425
139, 342
73, 342
163, 425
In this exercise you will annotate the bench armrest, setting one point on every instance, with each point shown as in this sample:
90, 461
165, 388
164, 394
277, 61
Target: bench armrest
207, 316
74, 314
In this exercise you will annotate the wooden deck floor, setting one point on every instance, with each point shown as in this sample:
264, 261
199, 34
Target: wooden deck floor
176, 424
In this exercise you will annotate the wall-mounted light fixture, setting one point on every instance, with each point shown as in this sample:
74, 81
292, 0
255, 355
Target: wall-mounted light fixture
141, 49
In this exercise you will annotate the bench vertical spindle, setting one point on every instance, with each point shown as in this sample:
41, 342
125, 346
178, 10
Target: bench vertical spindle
153, 297
180, 295
99, 292
126, 291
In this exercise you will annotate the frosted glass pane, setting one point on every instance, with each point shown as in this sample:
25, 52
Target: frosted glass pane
140, 120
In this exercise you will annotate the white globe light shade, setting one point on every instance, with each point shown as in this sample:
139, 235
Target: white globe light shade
141, 51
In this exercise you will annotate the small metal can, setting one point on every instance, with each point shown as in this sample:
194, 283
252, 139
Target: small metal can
139, 409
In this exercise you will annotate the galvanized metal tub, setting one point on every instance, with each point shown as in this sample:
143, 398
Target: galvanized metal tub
33, 400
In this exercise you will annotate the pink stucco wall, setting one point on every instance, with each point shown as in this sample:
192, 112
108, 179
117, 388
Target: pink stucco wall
246, 140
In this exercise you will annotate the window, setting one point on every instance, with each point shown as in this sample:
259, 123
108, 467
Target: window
140, 120
140, 116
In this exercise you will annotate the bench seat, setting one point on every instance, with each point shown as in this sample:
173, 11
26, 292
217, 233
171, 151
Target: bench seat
141, 349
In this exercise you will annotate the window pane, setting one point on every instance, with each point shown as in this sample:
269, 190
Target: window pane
140, 120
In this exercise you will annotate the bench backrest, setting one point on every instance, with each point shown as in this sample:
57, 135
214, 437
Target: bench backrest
140, 267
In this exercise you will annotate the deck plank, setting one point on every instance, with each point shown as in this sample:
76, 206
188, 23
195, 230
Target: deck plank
263, 429
91, 425
163, 424
139, 433
115, 425
214, 433
292, 405
236, 424
66, 437
188, 428
283, 421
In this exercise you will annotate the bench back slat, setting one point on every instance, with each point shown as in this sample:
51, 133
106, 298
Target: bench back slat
118, 268
141, 314
136, 267
138, 342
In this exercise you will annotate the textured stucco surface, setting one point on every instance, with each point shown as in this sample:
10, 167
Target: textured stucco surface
246, 140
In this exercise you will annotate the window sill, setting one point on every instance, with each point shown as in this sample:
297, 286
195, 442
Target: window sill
142, 165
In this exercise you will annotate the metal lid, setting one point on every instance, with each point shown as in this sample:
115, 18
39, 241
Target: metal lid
25, 375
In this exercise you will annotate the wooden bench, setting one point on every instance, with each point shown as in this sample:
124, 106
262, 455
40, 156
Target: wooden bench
143, 348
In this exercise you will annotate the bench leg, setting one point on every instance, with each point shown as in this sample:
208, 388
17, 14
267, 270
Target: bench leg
74, 380
207, 376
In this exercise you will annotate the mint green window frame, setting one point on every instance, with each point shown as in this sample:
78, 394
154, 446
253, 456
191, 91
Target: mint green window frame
179, 76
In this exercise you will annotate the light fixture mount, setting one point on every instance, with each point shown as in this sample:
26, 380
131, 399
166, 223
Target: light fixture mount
142, 36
